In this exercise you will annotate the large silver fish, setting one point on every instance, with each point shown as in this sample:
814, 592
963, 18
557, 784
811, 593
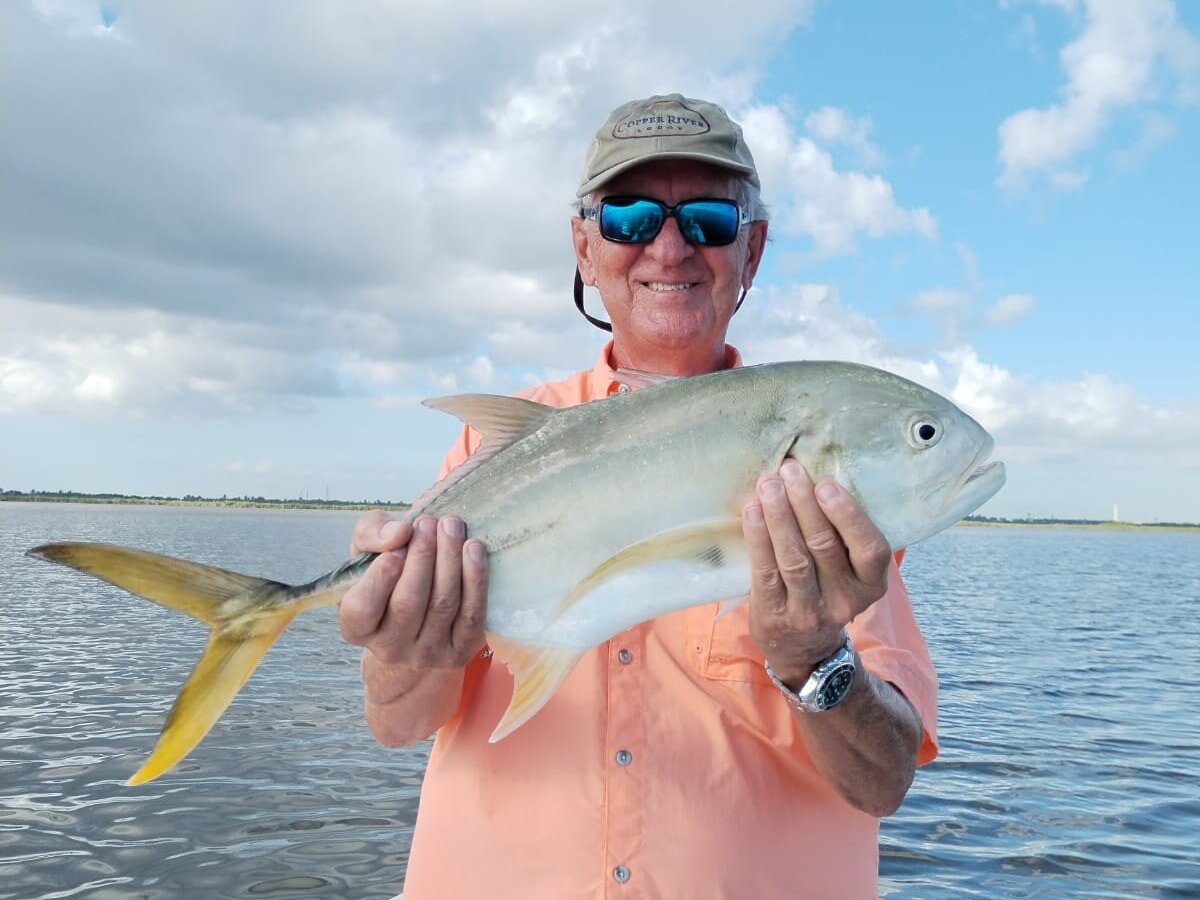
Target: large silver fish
600, 516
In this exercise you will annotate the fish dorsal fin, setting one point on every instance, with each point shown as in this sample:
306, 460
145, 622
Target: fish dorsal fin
640, 378
499, 419
709, 543
537, 672
502, 421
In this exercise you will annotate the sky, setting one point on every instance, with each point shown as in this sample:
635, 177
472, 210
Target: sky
240, 242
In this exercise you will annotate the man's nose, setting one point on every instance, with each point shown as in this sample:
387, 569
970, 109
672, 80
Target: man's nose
668, 245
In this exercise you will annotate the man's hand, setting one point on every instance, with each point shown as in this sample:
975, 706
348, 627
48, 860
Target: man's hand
423, 602
816, 560
419, 614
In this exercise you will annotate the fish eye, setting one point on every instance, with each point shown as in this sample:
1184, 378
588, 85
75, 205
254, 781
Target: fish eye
924, 432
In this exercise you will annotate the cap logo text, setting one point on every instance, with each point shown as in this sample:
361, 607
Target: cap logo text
652, 123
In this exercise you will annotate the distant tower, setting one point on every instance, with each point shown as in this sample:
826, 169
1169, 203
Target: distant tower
1116, 513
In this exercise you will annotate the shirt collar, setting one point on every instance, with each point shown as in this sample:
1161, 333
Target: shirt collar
604, 379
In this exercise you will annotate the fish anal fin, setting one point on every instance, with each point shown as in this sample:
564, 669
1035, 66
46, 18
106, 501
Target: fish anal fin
537, 673
710, 543
223, 669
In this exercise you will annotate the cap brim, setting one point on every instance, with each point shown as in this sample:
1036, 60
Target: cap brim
720, 161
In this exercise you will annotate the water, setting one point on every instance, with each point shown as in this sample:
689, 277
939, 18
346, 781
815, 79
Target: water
1070, 766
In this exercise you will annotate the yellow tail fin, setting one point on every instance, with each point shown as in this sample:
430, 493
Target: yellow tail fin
246, 615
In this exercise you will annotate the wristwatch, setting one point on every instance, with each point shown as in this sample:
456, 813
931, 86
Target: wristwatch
828, 684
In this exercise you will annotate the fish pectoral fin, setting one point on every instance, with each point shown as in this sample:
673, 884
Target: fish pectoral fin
537, 672
706, 543
226, 665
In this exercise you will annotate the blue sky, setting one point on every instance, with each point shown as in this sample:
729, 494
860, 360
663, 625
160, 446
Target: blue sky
239, 243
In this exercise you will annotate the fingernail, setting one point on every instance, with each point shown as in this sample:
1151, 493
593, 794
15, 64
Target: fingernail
828, 491
389, 531
792, 471
475, 551
771, 488
454, 526
754, 514
426, 525
401, 553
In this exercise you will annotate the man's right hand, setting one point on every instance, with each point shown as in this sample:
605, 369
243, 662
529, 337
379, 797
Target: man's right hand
423, 602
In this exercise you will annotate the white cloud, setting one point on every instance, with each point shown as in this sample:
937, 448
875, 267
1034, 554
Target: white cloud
1009, 308
211, 213
810, 197
1117, 62
1092, 418
836, 126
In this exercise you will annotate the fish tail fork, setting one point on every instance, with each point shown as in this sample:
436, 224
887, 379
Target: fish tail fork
246, 615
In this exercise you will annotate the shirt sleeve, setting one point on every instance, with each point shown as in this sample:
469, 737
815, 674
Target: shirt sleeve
891, 646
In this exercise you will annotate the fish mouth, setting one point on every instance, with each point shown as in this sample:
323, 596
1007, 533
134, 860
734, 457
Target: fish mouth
977, 483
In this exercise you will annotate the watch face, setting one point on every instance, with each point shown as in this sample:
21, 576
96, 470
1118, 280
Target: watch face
835, 687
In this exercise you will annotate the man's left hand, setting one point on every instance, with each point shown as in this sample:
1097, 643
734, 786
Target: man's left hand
817, 561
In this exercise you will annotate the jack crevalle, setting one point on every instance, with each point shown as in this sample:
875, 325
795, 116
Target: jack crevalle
600, 516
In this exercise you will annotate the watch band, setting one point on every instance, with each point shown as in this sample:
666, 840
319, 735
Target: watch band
827, 686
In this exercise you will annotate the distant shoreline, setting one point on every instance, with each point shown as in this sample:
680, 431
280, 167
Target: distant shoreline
191, 500
1098, 524
308, 503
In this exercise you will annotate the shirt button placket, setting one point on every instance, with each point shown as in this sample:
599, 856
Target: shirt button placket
626, 733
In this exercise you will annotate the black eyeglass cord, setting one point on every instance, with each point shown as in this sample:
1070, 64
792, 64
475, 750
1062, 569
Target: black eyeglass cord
607, 326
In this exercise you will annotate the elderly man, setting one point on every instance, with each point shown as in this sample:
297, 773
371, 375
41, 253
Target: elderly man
748, 755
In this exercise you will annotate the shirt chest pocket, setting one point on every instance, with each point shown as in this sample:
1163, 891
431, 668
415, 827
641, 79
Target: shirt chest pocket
721, 648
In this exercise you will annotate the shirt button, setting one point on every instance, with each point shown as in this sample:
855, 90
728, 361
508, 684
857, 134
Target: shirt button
620, 874
625, 656
624, 757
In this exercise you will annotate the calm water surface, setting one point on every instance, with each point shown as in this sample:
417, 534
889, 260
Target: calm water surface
1070, 723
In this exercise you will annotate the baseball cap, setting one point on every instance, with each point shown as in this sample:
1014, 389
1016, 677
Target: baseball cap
666, 126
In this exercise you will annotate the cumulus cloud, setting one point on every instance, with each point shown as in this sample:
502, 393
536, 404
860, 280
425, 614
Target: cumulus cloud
836, 126
1124, 57
211, 212
811, 197
1092, 418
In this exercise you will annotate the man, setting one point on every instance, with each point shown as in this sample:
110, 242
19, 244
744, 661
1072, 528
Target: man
686, 757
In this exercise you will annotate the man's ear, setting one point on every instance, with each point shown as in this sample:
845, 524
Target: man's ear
755, 246
583, 255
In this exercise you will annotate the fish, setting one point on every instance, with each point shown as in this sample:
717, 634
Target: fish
599, 516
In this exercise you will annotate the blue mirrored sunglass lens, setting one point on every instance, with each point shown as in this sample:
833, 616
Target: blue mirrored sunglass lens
704, 222
634, 223
638, 221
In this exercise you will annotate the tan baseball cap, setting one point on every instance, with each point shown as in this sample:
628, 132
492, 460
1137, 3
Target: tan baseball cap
667, 126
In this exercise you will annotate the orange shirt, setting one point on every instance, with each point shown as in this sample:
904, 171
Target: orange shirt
667, 765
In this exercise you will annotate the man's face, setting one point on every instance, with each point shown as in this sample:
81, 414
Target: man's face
670, 302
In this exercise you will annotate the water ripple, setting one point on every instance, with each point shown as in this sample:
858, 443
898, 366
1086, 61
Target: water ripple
1070, 740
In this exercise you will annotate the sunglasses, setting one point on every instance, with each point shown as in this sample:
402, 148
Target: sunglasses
708, 222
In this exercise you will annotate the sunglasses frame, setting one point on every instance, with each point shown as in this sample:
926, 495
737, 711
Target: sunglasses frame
668, 212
